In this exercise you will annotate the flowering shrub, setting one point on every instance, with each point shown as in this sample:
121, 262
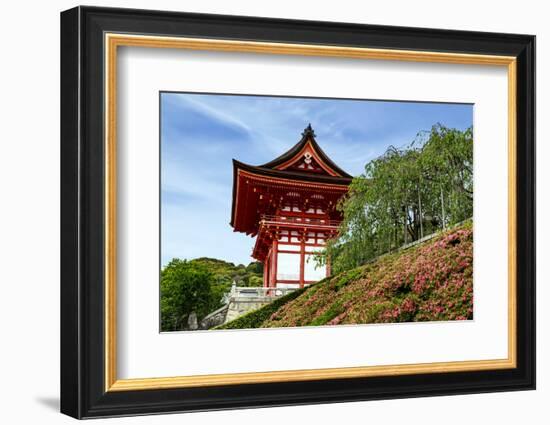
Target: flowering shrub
429, 282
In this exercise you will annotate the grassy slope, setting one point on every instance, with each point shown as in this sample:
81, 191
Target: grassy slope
431, 281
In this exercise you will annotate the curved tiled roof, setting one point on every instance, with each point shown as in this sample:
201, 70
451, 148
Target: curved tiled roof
308, 136
326, 178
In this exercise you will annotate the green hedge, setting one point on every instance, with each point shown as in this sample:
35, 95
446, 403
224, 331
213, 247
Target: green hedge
255, 319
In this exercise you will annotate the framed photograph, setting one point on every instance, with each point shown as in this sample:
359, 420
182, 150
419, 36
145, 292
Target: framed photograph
261, 212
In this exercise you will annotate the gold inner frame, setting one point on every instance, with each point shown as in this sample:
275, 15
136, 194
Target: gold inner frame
113, 41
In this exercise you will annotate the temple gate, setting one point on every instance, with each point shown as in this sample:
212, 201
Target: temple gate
289, 205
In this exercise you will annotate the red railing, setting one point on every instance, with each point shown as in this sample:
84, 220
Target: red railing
300, 220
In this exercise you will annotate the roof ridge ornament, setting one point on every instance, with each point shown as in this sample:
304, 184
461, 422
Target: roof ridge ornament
308, 131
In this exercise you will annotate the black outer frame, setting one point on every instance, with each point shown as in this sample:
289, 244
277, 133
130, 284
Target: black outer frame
82, 219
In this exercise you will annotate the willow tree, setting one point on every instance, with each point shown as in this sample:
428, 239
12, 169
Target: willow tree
405, 195
447, 162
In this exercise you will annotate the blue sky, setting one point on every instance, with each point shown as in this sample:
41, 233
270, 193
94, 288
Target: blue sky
201, 133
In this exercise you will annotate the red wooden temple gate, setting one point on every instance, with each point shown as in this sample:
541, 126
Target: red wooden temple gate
289, 205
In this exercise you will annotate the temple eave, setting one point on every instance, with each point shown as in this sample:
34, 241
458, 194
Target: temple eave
258, 194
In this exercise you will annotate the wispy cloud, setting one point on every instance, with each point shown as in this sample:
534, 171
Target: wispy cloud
216, 114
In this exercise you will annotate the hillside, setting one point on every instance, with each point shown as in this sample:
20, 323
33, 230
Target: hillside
226, 272
428, 282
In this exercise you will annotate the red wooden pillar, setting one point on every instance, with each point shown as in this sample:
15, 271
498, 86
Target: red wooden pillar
328, 266
302, 260
273, 277
266, 271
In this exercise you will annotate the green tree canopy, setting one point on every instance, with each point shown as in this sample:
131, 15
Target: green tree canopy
185, 287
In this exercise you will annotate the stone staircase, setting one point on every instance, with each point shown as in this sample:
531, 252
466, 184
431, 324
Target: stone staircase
241, 300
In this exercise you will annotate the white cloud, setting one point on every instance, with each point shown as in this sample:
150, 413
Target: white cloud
215, 113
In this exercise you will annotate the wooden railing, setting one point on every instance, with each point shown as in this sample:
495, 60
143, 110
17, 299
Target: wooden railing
300, 220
